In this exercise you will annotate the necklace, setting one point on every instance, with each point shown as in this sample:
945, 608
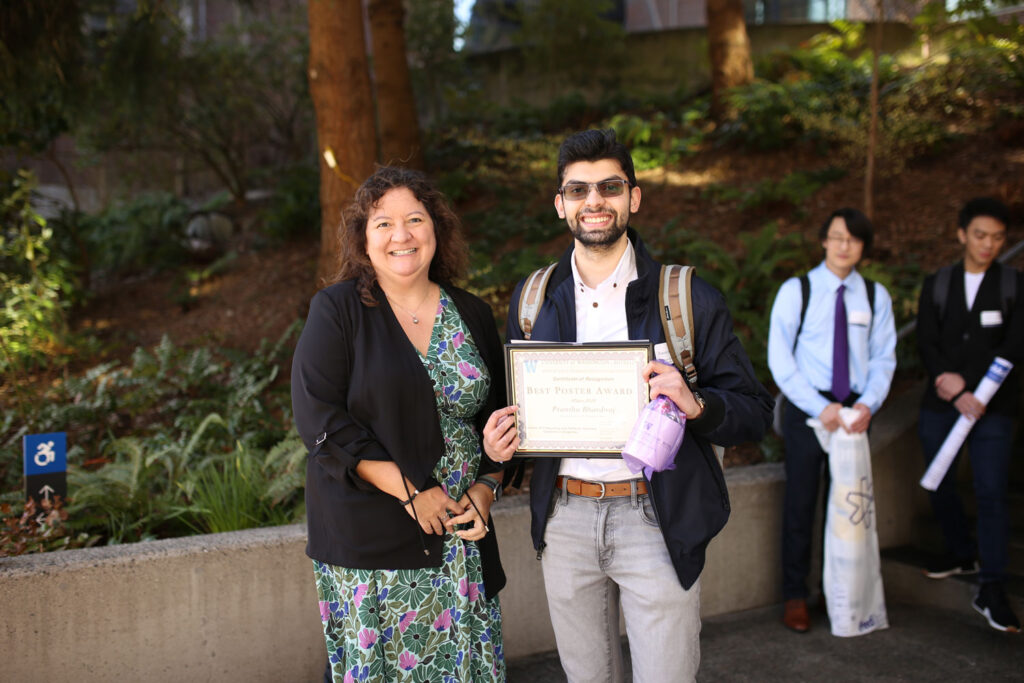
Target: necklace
411, 314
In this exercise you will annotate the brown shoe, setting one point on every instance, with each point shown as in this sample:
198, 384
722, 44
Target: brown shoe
796, 617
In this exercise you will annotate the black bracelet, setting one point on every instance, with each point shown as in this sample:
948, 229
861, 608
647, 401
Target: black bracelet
962, 392
493, 484
415, 492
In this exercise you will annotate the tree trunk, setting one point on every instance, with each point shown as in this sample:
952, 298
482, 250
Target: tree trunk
729, 50
869, 168
339, 85
396, 107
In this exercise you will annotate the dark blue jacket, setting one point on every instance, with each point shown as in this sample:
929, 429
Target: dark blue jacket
691, 501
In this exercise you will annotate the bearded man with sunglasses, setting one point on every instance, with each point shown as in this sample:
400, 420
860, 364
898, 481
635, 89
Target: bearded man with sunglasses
609, 539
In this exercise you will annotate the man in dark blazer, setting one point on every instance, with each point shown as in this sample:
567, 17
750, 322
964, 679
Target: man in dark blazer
970, 313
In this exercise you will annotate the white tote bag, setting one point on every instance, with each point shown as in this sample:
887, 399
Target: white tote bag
852, 569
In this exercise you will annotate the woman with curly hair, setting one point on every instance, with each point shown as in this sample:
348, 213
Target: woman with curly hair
394, 377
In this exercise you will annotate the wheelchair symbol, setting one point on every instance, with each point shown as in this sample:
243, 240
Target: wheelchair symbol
44, 454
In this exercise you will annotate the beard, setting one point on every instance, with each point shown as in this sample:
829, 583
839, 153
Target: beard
599, 239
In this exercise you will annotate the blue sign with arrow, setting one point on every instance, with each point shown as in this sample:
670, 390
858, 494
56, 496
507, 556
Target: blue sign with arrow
46, 464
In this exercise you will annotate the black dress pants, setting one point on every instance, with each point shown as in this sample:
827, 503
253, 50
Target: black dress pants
805, 462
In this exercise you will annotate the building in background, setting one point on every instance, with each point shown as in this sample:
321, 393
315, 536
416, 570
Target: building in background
492, 22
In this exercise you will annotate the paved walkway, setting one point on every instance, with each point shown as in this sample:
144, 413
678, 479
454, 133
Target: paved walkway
922, 644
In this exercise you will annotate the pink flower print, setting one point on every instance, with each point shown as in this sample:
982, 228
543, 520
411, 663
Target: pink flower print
367, 638
458, 339
407, 660
406, 619
469, 589
468, 371
465, 468
349, 678
443, 621
325, 610
359, 594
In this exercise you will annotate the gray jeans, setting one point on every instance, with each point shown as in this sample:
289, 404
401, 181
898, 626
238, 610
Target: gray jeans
601, 553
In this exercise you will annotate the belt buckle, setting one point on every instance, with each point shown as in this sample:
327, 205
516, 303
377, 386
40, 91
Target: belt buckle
603, 489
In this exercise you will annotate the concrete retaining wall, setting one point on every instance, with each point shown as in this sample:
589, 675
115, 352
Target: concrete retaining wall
242, 606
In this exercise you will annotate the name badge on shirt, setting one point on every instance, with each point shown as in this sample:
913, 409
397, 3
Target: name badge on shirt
991, 318
860, 318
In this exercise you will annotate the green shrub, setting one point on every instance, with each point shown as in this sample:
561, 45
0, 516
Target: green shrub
35, 284
232, 492
748, 279
794, 189
141, 234
294, 210
139, 434
657, 140
818, 94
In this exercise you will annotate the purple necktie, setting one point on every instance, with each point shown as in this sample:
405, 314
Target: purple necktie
840, 351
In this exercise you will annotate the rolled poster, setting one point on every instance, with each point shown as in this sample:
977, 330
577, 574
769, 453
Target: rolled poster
987, 388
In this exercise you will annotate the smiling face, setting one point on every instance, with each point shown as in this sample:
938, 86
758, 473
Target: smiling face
842, 250
400, 238
982, 240
597, 222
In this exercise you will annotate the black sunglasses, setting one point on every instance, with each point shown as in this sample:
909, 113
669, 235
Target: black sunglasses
613, 187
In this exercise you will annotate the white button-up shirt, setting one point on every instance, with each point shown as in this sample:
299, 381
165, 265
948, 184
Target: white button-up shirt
601, 317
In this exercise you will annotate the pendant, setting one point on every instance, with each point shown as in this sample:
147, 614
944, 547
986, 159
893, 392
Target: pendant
415, 320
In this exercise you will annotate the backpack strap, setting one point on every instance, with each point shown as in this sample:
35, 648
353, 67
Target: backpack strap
872, 287
532, 296
677, 322
940, 289
805, 294
1008, 289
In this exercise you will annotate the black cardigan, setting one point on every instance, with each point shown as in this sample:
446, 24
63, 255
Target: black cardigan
958, 342
360, 392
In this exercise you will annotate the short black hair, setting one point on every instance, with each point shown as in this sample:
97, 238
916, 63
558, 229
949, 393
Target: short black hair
983, 206
857, 223
594, 145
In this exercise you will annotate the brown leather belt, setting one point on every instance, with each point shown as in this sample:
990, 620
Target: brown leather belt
597, 489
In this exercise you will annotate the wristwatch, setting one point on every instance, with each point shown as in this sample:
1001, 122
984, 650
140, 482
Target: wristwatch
492, 484
701, 403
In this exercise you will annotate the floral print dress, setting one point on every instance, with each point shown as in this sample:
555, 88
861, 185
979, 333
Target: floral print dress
432, 624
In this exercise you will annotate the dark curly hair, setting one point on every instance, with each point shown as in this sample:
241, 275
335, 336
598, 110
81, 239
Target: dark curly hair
451, 257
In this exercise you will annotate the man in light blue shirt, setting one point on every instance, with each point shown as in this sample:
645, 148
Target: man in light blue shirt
819, 372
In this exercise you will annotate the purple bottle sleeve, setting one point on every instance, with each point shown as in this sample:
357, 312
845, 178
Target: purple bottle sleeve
655, 439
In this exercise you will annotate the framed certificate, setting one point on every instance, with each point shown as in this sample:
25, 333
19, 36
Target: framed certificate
576, 400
